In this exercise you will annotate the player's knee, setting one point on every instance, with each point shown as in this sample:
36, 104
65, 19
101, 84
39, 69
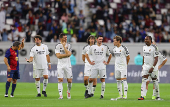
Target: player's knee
102, 79
85, 79
69, 80
45, 76
60, 79
90, 80
9, 79
37, 79
14, 81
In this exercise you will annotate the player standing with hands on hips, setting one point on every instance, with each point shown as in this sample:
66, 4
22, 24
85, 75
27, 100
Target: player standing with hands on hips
39, 54
98, 61
11, 60
64, 69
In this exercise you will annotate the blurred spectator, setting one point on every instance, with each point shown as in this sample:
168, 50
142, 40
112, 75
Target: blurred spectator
94, 19
41, 3
70, 7
39, 11
49, 22
117, 16
166, 36
55, 39
106, 12
68, 36
40, 31
28, 34
81, 17
74, 38
68, 29
99, 3
14, 13
73, 59
148, 22
138, 59
50, 36
20, 29
93, 32
76, 21
63, 6
86, 35
18, 6
41, 18
64, 25
2, 19
99, 13
54, 28
64, 17
14, 35
4, 35
80, 34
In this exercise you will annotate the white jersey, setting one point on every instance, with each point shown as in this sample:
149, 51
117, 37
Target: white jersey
149, 53
63, 62
98, 55
39, 54
84, 51
120, 54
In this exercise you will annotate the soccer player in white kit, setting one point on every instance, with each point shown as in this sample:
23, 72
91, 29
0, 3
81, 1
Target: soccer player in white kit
64, 70
161, 62
150, 59
87, 67
98, 61
122, 58
39, 54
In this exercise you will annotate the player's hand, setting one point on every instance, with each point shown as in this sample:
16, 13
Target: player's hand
23, 40
151, 70
49, 66
9, 69
92, 63
27, 60
105, 62
64, 44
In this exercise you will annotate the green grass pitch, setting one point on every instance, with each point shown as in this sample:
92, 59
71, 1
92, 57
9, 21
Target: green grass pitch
25, 96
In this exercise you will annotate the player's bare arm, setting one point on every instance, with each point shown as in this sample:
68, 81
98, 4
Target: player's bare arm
108, 61
155, 62
22, 44
163, 63
29, 60
6, 63
127, 59
61, 55
48, 60
83, 58
88, 59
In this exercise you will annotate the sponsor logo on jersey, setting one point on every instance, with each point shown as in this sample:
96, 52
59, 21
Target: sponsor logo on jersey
16, 58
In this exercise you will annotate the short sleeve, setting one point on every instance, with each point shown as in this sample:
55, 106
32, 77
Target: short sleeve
108, 51
57, 49
70, 48
156, 52
89, 52
47, 52
84, 51
32, 53
8, 53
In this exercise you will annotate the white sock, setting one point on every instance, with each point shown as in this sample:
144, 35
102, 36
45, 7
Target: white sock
102, 88
90, 88
155, 82
60, 88
93, 89
125, 87
45, 82
154, 92
119, 87
69, 85
146, 92
143, 87
37, 83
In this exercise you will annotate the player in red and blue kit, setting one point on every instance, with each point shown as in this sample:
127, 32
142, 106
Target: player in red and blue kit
12, 62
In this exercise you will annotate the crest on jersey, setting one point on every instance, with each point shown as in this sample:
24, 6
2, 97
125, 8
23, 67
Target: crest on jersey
120, 50
149, 49
16, 58
15, 53
102, 49
43, 48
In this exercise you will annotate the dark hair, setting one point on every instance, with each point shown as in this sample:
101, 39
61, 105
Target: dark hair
91, 36
38, 36
138, 53
118, 38
16, 43
149, 37
99, 36
61, 35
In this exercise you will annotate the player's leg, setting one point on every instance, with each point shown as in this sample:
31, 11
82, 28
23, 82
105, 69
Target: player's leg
154, 93
45, 81
86, 84
9, 79
124, 81
36, 75
147, 83
60, 75
94, 86
14, 82
119, 83
102, 74
69, 77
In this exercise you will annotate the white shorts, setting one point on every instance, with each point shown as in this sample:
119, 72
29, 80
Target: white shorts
120, 74
87, 71
150, 79
98, 72
37, 73
65, 72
